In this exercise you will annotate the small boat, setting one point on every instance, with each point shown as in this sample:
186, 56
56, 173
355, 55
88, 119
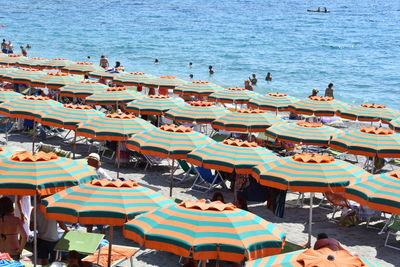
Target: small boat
320, 11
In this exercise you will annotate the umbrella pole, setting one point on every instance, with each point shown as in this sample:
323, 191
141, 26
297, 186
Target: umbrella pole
171, 181
33, 137
118, 157
310, 220
34, 231
74, 146
111, 230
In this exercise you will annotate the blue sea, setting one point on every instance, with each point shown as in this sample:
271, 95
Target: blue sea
356, 46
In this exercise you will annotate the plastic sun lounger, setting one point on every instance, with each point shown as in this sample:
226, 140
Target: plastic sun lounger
206, 180
119, 255
188, 170
394, 229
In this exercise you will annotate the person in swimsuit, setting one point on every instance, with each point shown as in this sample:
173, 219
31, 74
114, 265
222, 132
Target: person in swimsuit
211, 70
12, 233
10, 48
104, 62
23, 51
329, 91
268, 78
253, 79
323, 241
247, 85
4, 46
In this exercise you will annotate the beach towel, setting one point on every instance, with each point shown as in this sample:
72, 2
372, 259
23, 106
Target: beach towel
117, 253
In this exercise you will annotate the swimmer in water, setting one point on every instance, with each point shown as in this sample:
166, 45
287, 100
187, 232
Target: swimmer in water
155, 61
268, 78
211, 70
191, 76
190, 64
253, 79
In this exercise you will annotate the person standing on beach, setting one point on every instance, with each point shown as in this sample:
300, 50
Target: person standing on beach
12, 233
268, 78
104, 62
23, 51
211, 70
253, 79
4, 46
329, 91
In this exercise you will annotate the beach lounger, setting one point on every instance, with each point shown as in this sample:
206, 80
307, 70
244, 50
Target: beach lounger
119, 254
52, 148
206, 180
152, 161
188, 170
394, 230
341, 155
6, 126
338, 202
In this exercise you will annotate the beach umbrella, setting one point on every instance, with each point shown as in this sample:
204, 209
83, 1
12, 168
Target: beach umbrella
28, 107
307, 133
154, 104
168, 141
197, 88
113, 96
163, 83
206, 231
22, 76
4, 69
309, 173
10, 59
200, 112
103, 202
272, 101
4, 153
231, 156
379, 192
31, 62
233, 95
369, 141
369, 112
80, 68
53, 80
317, 105
8, 94
55, 63
102, 74
310, 257
81, 89
395, 124
25, 173
132, 78
113, 127
246, 120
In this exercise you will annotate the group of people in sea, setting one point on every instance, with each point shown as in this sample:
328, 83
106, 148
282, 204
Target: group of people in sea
8, 48
328, 91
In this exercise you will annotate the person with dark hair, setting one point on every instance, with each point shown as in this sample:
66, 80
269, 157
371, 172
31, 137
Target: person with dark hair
329, 91
314, 92
12, 233
191, 76
241, 203
23, 51
323, 241
104, 62
268, 78
218, 196
253, 79
156, 61
74, 259
211, 69
4, 46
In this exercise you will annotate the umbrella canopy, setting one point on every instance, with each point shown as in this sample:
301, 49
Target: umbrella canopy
204, 230
317, 105
53, 80
132, 78
55, 63
231, 156
168, 141
196, 112
8, 94
380, 192
246, 120
22, 76
234, 95
369, 112
395, 124
68, 116
4, 153
307, 133
27, 107
113, 96
369, 141
102, 74
10, 59
114, 126
82, 89
154, 104
309, 173
4, 69
197, 88
311, 257
164, 82
31, 62
42, 173
103, 202
80, 68
272, 101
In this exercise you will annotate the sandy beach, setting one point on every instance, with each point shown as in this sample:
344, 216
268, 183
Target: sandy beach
358, 239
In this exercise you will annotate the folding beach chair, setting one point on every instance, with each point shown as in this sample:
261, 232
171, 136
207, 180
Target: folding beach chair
6, 126
394, 229
341, 155
206, 180
152, 161
188, 170
338, 202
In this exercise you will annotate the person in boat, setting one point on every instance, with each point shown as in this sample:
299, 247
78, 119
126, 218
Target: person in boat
329, 90
12, 233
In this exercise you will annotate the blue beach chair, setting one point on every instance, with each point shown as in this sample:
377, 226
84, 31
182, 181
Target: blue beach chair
206, 180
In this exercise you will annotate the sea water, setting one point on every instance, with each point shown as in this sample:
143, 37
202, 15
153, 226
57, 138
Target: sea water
356, 46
